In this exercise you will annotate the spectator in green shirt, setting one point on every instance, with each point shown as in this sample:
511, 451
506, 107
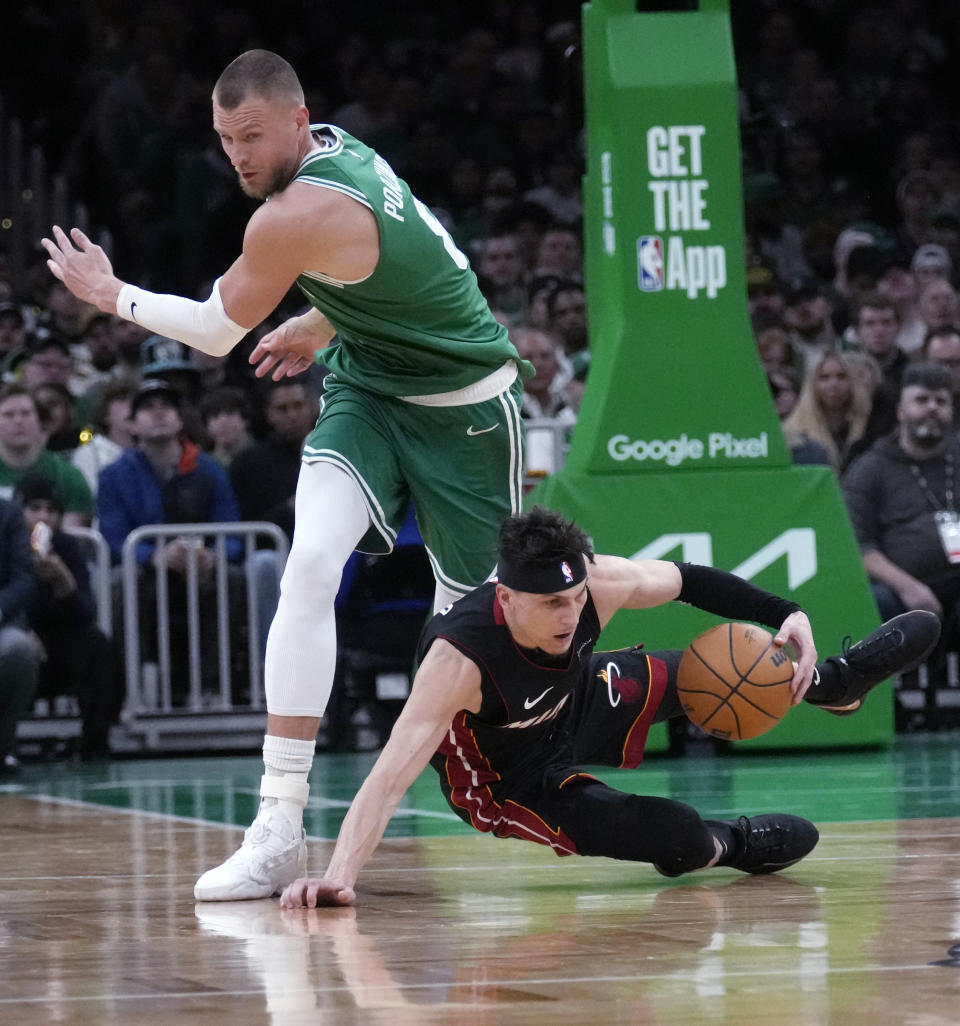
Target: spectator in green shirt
23, 451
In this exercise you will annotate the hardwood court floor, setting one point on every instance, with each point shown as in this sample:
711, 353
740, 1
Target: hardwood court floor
98, 923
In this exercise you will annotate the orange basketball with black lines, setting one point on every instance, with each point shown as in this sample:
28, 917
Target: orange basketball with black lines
733, 682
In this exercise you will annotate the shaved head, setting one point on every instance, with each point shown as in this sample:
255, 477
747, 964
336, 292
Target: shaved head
259, 73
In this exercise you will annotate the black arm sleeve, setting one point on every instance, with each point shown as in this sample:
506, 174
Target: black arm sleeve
731, 597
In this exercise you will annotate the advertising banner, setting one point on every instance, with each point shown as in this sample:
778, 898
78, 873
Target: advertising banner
677, 452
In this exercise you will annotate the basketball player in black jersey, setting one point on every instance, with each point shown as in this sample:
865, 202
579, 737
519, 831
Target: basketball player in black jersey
510, 699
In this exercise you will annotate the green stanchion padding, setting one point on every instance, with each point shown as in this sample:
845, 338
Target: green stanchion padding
675, 382
678, 451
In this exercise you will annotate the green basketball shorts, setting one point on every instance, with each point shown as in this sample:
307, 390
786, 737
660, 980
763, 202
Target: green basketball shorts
461, 465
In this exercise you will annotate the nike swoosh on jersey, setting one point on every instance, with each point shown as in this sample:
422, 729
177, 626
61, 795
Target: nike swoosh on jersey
480, 431
529, 703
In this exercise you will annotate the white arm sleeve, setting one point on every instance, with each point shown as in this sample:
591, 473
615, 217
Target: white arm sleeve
204, 326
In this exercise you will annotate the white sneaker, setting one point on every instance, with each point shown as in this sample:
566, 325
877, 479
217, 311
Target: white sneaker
272, 855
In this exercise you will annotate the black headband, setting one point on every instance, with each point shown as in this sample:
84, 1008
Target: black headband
543, 578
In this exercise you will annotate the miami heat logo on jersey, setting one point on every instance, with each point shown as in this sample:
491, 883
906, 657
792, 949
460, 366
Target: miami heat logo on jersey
621, 688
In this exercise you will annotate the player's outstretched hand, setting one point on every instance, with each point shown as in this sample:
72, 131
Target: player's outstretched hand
314, 892
83, 267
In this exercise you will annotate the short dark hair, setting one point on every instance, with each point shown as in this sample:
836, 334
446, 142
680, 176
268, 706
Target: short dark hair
269, 388
876, 301
260, 73
112, 392
562, 289
541, 535
227, 399
927, 374
15, 388
38, 487
945, 331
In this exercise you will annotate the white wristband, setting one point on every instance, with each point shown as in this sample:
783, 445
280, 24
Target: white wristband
204, 326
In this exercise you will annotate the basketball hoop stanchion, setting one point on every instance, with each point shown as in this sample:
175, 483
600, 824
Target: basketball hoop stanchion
678, 451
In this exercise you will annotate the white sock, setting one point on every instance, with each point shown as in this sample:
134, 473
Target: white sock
292, 758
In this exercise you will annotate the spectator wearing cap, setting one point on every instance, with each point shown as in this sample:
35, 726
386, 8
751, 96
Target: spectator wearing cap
19, 652
764, 293
166, 479
931, 262
163, 478
772, 240
846, 242
809, 319
170, 361
79, 659
23, 452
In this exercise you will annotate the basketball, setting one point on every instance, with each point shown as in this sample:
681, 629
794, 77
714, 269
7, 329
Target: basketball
733, 682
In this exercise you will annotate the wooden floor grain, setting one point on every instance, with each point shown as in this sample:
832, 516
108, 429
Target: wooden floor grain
98, 926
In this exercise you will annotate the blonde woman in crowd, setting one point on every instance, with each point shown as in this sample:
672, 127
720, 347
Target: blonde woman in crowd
833, 408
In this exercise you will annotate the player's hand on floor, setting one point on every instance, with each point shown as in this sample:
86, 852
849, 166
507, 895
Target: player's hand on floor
315, 892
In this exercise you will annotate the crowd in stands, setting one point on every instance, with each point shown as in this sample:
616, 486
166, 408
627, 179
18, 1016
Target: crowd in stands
851, 184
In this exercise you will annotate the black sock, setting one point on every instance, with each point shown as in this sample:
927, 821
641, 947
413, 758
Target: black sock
831, 688
730, 838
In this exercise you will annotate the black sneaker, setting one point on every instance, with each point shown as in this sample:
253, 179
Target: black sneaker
897, 646
771, 842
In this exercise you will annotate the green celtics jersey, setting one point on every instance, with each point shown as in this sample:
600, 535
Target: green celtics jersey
419, 323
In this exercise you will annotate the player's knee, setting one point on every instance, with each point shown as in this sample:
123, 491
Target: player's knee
677, 839
640, 828
312, 574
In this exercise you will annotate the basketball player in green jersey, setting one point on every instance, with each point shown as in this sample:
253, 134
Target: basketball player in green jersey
422, 401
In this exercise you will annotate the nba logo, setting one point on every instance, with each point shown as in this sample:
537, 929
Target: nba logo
650, 263
567, 572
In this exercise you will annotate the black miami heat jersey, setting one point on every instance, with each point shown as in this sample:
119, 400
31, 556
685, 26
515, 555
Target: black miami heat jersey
523, 701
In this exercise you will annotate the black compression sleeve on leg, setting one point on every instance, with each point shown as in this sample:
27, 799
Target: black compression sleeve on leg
601, 820
731, 597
